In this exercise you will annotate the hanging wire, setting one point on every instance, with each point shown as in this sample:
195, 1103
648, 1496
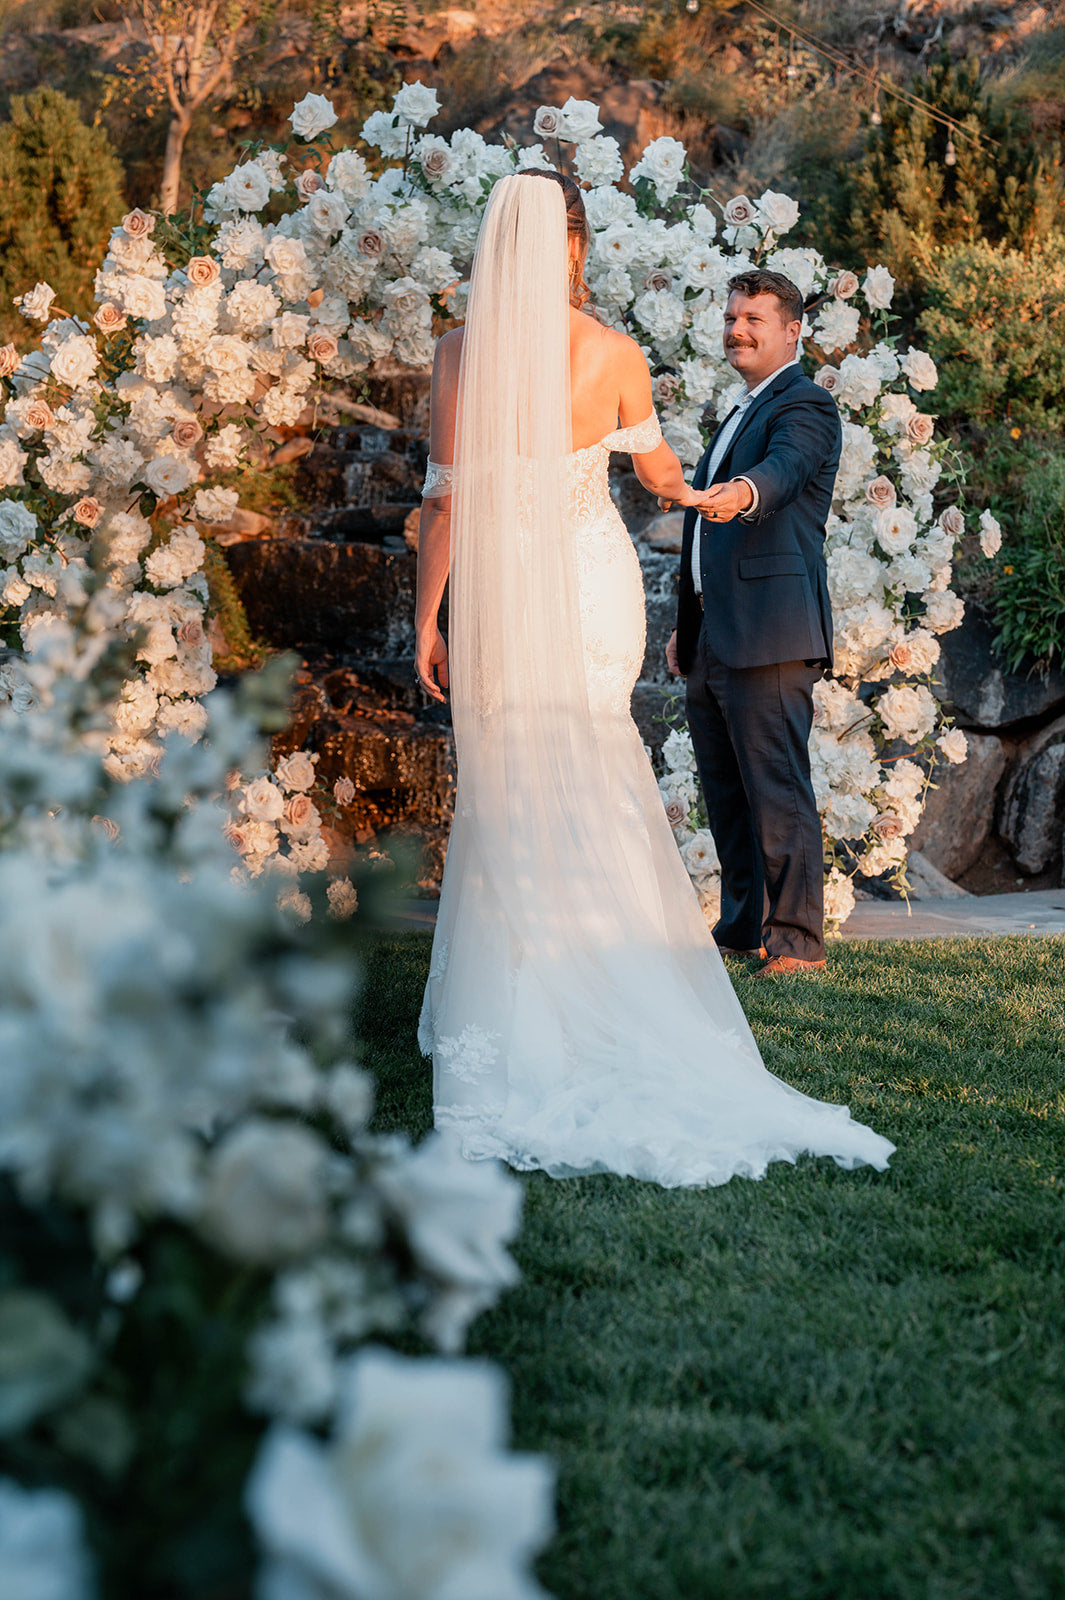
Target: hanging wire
841, 63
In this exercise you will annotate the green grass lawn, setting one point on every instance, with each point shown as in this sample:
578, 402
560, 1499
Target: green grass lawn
841, 1385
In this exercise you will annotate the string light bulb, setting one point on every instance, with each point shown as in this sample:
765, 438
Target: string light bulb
950, 159
693, 6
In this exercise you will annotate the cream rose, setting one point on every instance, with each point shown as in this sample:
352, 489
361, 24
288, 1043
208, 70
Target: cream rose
845, 285
322, 347
168, 475
39, 415
828, 378
887, 826
777, 212
186, 433
262, 801
137, 223
75, 361
202, 270
191, 634
547, 123
296, 771
36, 303
110, 318
953, 745
87, 511
370, 243
919, 429
952, 521
9, 360
881, 493
739, 211
309, 182
990, 535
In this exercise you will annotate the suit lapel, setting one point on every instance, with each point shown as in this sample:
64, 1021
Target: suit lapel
784, 381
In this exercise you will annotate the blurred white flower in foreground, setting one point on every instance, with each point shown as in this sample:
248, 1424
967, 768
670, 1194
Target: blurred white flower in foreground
42, 1549
413, 1497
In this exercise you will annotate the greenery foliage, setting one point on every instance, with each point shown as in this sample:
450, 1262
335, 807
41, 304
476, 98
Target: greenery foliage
60, 196
1029, 595
995, 321
827, 1383
903, 199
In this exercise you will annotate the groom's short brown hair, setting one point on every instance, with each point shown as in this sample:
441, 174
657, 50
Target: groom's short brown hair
758, 281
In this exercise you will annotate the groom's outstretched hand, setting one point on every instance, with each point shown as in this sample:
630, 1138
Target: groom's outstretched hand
724, 501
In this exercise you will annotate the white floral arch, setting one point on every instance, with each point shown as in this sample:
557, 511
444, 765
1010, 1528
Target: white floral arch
191, 356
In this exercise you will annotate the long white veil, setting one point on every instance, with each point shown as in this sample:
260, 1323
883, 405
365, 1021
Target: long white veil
577, 1012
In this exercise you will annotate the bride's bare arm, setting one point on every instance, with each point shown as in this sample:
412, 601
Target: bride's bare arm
434, 526
658, 470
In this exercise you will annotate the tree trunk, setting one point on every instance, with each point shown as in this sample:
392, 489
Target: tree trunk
175, 144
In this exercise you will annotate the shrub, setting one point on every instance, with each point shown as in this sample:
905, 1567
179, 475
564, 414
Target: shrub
996, 324
903, 199
60, 195
1029, 602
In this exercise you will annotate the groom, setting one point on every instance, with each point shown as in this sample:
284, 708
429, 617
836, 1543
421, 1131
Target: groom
754, 630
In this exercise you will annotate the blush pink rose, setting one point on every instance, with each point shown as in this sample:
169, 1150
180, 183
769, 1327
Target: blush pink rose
202, 271
87, 511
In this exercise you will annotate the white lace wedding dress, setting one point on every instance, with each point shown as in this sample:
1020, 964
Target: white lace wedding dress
609, 1038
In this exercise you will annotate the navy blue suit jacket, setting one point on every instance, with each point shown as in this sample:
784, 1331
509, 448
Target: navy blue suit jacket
765, 583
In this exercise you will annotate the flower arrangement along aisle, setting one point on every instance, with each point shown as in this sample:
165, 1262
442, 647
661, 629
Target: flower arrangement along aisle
200, 1237
309, 263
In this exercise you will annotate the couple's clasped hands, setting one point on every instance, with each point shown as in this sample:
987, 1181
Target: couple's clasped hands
720, 503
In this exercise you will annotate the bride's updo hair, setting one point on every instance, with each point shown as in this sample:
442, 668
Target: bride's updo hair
576, 228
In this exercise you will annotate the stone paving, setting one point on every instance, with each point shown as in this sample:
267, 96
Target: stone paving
1040, 913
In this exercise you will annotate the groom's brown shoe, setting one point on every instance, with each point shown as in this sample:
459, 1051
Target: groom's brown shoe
781, 966
746, 955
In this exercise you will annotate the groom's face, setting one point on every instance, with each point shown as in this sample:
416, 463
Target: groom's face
757, 338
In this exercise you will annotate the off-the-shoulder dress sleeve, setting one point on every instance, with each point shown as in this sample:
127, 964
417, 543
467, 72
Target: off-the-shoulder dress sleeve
439, 480
637, 440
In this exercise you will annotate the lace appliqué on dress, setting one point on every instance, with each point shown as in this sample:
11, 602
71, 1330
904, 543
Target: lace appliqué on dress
468, 1056
438, 480
636, 440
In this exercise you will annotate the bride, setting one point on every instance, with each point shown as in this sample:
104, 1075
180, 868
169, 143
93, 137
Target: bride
579, 1016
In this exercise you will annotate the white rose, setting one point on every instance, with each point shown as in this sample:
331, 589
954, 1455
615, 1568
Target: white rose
348, 173
915, 653
895, 412
415, 1488
836, 326
777, 212
75, 361
616, 245
296, 771
943, 610
920, 369
312, 116
663, 163
854, 576
860, 381
878, 288
699, 854
908, 712
286, 256
954, 746
262, 800
801, 266
173, 562
18, 529
264, 1196
990, 534
382, 130
215, 505
247, 188
896, 529
141, 297
599, 161
35, 304
327, 212
167, 475
662, 315
580, 121
415, 104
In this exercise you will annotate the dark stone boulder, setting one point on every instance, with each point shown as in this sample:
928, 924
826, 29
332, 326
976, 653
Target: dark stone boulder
960, 811
1032, 811
982, 693
341, 599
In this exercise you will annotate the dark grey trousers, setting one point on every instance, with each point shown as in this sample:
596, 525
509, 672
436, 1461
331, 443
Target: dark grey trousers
750, 727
